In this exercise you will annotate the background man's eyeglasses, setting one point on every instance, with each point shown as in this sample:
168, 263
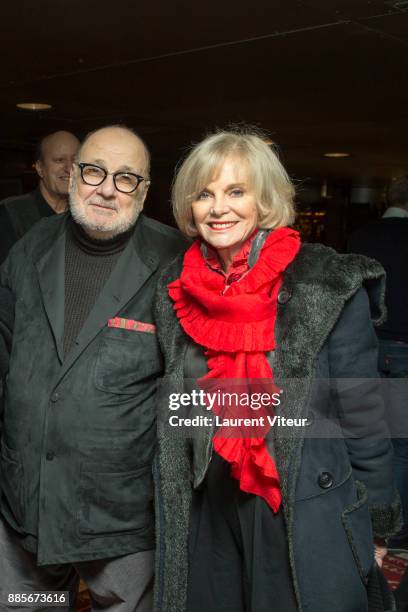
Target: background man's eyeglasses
126, 182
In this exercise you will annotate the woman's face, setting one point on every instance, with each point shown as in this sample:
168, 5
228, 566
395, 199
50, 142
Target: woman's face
225, 211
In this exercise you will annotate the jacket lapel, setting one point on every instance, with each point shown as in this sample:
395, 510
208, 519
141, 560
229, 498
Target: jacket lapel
127, 278
295, 359
50, 267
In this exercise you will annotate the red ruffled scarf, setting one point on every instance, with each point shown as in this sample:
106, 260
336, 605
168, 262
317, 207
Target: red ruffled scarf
237, 328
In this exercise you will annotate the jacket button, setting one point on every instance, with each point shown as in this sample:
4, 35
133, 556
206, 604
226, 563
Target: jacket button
55, 397
325, 480
284, 296
50, 456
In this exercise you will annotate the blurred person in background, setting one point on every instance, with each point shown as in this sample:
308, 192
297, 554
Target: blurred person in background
54, 156
386, 240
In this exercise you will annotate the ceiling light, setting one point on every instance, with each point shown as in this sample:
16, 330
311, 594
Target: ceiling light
336, 154
34, 106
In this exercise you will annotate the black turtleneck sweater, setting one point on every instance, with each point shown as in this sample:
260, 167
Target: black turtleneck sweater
88, 265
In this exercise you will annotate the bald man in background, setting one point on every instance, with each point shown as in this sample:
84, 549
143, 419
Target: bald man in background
54, 157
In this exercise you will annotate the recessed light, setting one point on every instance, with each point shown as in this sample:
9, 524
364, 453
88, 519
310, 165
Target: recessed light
336, 154
34, 106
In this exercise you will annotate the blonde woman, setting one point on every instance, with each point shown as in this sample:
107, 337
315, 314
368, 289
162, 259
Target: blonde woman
279, 521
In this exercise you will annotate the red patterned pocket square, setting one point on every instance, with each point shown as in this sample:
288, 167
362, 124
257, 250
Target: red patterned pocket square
132, 325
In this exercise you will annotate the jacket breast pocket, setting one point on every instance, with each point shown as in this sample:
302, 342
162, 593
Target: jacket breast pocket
12, 483
126, 358
114, 503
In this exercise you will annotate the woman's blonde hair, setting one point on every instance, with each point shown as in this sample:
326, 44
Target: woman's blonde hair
269, 180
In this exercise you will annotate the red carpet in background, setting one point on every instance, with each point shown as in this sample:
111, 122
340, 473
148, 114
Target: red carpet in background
394, 567
83, 603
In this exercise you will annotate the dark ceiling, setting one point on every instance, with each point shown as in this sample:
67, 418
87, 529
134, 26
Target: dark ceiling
319, 75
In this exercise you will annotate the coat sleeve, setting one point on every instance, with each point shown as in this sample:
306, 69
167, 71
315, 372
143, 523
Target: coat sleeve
6, 319
6, 331
7, 232
353, 355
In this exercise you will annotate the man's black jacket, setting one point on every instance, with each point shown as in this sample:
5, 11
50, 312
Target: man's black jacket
78, 434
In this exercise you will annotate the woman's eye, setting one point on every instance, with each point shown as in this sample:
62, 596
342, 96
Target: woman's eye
204, 195
237, 193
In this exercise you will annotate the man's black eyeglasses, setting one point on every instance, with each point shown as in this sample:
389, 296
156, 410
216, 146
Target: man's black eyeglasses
126, 182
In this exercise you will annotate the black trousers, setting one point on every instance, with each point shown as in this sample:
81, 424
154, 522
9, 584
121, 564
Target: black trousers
238, 550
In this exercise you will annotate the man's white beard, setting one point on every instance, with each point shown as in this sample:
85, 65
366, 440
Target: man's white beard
108, 229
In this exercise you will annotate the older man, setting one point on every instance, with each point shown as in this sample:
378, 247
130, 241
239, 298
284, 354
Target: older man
53, 161
79, 415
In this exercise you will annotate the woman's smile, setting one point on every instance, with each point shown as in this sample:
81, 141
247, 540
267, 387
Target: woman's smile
218, 225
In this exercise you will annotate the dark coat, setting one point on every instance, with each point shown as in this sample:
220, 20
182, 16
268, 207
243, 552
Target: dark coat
330, 487
6, 330
17, 215
79, 434
386, 241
